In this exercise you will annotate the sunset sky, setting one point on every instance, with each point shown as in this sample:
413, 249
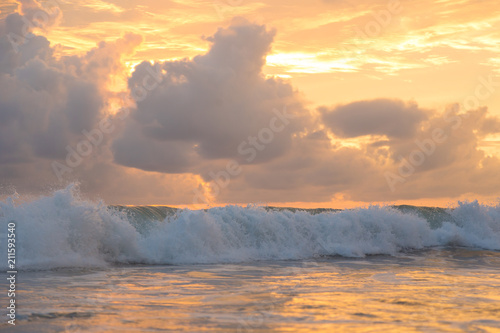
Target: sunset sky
327, 103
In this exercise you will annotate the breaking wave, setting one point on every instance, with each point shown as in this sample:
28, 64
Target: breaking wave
63, 230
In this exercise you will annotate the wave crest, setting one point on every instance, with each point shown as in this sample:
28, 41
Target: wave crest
62, 230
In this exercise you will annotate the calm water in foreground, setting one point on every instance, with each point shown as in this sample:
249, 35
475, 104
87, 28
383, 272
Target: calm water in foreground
435, 290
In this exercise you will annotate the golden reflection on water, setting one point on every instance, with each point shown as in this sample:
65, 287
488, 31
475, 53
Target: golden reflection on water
418, 294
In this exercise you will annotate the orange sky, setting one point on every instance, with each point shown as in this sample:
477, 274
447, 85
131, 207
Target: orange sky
332, 52
430, 51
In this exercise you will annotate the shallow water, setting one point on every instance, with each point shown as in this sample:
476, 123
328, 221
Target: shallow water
84, 266
435, 290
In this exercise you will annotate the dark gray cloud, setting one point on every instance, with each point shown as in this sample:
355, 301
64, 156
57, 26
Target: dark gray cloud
136, 150
443, 151
193, 116
208, 105
393, 118
47, 102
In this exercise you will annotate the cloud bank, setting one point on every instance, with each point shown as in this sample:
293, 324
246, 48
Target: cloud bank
185, 121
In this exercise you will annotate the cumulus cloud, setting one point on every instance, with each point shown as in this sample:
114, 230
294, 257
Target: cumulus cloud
209, 105
193, 116
393, 118
40, 15
441, 158
46, 102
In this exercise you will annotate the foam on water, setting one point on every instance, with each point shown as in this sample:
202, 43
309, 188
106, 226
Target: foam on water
62, 230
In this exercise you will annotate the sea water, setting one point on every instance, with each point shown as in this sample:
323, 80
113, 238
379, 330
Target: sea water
85, 266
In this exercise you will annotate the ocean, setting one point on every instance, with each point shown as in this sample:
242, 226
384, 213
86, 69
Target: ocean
83, 266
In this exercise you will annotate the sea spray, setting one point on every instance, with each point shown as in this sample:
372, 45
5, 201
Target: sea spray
63, 230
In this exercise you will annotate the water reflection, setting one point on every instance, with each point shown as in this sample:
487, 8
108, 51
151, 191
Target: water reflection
438, 290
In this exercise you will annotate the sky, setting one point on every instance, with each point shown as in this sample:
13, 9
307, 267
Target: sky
329, 103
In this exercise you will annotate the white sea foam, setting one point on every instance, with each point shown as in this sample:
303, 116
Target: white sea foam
62, 230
